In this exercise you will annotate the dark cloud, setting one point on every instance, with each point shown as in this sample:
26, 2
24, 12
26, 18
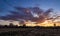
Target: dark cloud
37, 10
25, 14
46, 13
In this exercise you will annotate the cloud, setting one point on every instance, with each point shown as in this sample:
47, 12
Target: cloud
34, 14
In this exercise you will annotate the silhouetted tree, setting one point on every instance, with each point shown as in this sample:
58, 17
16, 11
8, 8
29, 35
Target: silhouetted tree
11, 25
16, 26
22, 23
54, 25
5, 26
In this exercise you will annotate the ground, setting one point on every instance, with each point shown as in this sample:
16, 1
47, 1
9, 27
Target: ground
29, 31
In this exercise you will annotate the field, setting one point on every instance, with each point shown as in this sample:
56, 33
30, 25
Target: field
30, 31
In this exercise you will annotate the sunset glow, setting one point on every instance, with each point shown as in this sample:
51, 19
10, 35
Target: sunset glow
26, 12
47, 23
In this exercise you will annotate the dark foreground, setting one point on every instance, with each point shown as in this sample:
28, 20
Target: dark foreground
30, 31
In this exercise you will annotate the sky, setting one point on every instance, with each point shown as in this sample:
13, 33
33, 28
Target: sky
8, 9
8, 5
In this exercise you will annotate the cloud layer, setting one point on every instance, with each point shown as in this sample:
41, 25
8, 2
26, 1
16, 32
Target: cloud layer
34, 14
